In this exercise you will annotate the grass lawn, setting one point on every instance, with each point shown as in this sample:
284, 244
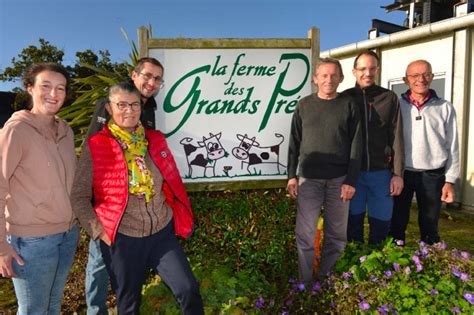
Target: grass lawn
456, 229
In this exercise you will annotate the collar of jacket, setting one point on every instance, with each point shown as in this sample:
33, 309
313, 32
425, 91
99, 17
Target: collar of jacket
368, 89
433, 97
150, 102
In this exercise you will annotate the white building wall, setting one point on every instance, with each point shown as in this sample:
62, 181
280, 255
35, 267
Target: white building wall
437, 51
468, 187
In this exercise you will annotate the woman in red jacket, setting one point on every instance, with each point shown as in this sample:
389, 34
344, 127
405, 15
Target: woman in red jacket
139, 203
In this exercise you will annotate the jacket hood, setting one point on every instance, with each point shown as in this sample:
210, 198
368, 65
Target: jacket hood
38, 123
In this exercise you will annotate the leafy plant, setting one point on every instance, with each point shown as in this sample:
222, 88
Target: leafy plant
388, 280
222, 291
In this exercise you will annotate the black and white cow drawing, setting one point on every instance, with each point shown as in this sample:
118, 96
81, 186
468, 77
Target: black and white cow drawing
204, 155
253, 155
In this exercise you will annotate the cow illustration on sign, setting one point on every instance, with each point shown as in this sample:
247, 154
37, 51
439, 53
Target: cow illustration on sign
255, 156
204, 155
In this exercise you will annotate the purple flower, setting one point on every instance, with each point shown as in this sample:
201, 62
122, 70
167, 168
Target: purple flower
361, 295
346, 275
399, 242
396, 267
407, 270
301, 286
465, 255
289, 302
383, 309
441, 245
384, 284
292, 281
362, 259
260, 302
456, 310
434, 292
285, 313
317, 286
424, 252
364, 306
469, 297
331, 304
464, 277
422, 244
346, 285
419, 267
388, 273
373, 278
416, 259
456, 272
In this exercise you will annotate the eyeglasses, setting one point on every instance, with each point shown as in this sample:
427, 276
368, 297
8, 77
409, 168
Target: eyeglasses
365, 69
157, 79
418, 76
122, 106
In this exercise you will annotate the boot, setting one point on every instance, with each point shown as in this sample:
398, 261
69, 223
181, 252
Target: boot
378, 230
355, 228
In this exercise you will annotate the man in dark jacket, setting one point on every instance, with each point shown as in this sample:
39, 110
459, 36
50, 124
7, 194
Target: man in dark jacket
381, 175
148, 79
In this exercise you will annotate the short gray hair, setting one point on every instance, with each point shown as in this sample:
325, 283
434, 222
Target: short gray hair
330, 61
123, 87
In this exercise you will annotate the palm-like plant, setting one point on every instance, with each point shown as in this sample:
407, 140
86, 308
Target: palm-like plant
93, 88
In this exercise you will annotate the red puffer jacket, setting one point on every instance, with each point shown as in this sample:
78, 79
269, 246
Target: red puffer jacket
110, 181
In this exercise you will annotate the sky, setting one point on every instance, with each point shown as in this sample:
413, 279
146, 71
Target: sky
77, 25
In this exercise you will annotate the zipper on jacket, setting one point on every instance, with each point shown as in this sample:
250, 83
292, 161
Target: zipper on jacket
366, 129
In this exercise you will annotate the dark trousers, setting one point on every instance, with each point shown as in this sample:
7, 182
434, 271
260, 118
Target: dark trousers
129, 259
427, 185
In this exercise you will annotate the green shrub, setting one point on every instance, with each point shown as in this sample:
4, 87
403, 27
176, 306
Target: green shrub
251, 230
222, 291
388, 280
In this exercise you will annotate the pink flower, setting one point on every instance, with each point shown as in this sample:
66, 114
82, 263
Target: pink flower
416, 259
364, 306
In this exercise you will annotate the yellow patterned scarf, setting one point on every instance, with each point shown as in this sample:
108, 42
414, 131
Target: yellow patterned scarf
135, 147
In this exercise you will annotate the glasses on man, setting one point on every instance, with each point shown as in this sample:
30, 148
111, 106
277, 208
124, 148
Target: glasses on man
365, 69
148, 76
122, 106
418, 76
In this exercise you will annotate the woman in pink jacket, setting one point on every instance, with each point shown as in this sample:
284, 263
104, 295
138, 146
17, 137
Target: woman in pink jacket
38, 231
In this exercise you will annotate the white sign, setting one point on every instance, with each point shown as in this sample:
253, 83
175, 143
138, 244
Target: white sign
227, 112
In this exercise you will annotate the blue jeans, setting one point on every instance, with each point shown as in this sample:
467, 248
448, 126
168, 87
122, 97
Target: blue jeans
39, 283
372, 193
97, 280
428, 186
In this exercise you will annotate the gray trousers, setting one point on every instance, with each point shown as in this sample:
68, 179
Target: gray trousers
312, 195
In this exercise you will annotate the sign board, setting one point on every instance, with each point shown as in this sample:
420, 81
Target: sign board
226, 112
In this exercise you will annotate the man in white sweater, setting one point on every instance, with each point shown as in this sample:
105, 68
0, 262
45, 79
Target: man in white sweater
431, 154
